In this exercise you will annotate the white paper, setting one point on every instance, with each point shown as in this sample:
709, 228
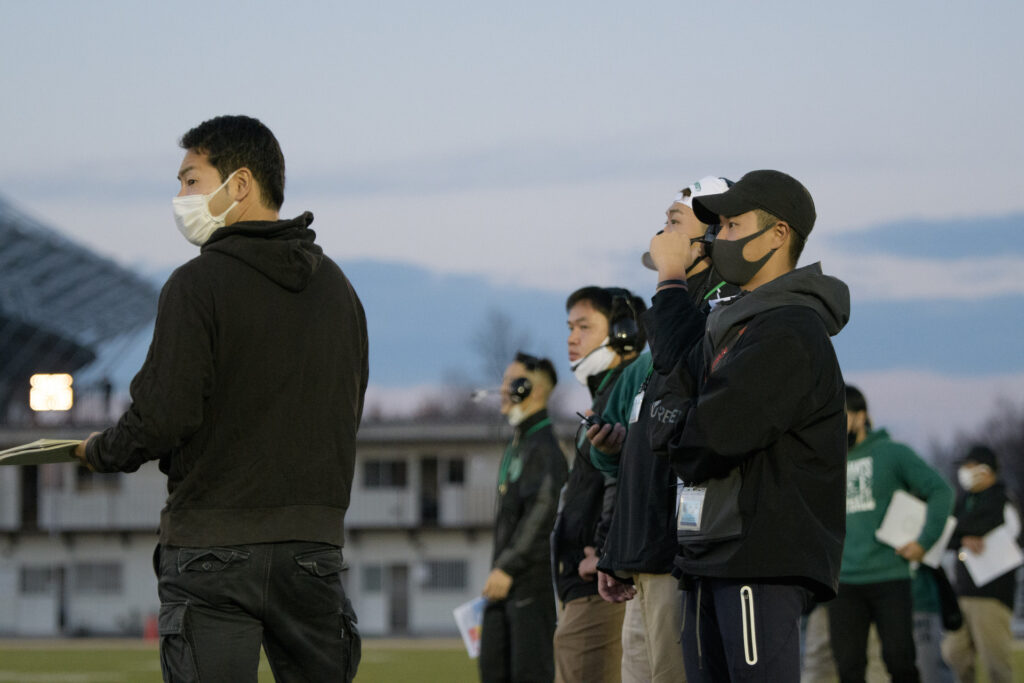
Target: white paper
903, 521
41, 452
1012, 520
933, 558
1000, 555
469, 618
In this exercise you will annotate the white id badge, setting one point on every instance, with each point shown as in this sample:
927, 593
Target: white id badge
634, 412
689, 507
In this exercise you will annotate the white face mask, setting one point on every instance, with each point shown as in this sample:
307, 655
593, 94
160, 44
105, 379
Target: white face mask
193, 218
969, 477
516, 414
596, 361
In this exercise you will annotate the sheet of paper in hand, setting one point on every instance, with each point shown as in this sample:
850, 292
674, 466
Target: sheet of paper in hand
1001, 554
41, 452
904, 519
469, 617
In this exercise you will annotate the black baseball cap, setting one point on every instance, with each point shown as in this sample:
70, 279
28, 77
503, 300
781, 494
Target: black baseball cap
772, 191
981, 455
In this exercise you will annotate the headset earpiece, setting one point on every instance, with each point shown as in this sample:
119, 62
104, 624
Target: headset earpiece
622, 335
623, 330
519, 389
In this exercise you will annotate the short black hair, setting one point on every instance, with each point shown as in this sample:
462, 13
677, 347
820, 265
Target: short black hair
614, 303
855, 401
534, 364
233, 142
599, 297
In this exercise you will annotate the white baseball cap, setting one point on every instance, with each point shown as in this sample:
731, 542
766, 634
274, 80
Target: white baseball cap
706, 185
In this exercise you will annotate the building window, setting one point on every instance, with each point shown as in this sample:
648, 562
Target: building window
373, 578
97, 578
37, 580
446, 575
457, 471
378, 474
87, 480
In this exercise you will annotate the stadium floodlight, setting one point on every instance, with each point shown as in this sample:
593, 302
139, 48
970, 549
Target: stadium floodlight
50, 392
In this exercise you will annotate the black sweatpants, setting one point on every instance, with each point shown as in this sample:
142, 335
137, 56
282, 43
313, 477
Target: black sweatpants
218, 605
889, 604
736, 630
517, 640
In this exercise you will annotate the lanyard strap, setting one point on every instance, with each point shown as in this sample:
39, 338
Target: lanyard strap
607, 378
717, 287
537, 427
510, 451
506, 462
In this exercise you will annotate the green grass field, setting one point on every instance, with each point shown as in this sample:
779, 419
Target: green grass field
84, 661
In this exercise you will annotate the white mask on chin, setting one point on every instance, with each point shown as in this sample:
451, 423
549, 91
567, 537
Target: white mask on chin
598, 360
516, 414
193, 218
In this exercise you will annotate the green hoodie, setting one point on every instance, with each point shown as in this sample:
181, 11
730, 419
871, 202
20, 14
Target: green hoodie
876, 468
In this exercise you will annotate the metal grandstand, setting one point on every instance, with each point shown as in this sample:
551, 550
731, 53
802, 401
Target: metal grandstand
59, 303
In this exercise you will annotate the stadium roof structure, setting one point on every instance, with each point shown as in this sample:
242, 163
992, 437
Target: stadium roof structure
59, 301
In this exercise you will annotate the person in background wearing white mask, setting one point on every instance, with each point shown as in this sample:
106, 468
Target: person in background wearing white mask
604, 338
250, 397
519, 618
983, 505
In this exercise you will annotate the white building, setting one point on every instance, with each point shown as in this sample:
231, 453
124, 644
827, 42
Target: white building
76, 547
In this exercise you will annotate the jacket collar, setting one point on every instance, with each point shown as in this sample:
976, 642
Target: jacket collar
531, 421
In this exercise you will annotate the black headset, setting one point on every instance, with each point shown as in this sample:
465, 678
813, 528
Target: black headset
709, 237
623, 330
519, 388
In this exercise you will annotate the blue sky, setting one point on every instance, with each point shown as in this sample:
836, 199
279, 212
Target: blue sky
534, 147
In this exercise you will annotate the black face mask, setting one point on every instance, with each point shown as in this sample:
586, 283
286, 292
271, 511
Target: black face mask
851, 440
728, 260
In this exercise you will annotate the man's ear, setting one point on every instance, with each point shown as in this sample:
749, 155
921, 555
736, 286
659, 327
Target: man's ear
242, 184
779, 233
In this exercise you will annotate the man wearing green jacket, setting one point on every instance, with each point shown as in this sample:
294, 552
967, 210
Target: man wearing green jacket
875, 580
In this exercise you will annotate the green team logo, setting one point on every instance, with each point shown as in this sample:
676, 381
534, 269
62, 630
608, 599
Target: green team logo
860, 479
515, 468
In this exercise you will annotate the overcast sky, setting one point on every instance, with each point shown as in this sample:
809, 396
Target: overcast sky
535, 143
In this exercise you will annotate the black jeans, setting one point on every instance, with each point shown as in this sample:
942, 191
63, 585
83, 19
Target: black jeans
889, 605
218, 605
736, 630
517, 638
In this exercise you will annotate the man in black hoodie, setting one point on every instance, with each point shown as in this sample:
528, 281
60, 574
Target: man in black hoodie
752, 420
250, 398
604, 338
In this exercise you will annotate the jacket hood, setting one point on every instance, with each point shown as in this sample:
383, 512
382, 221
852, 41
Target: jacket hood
828, 296
872, 439
284, 251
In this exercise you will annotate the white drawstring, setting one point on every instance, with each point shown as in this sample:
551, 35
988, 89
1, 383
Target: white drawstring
700, 658
749, 633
